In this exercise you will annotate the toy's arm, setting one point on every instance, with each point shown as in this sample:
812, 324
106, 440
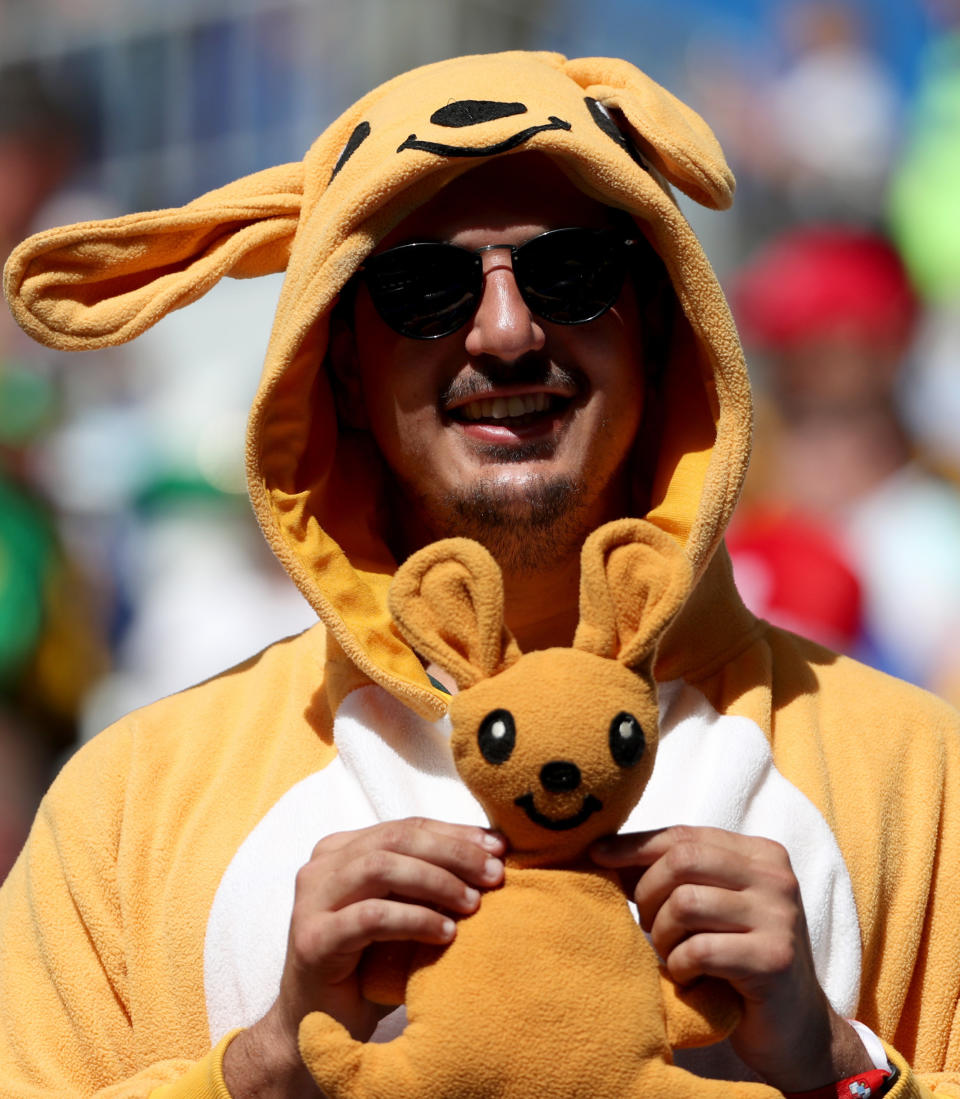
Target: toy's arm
384, 972
699, 1015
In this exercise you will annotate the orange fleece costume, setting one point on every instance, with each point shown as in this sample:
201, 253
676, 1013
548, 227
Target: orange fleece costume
557, 745
146, 918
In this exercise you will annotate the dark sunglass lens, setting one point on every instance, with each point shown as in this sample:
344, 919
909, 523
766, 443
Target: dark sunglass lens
571, 276
424, 290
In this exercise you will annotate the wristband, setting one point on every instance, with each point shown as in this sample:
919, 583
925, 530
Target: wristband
865, 1085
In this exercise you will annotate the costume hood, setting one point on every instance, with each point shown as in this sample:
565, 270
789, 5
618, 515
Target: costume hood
620, 138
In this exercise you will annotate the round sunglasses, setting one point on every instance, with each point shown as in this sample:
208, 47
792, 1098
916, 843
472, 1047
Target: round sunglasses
427, 289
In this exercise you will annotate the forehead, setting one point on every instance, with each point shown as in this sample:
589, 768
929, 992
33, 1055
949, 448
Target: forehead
507, 198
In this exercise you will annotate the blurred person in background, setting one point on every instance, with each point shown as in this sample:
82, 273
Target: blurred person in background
793, 571
809, 111
197, 589
832, 312
122, 513
52, 646
924, 214
834, 114
24, 774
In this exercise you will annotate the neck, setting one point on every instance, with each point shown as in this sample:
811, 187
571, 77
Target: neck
542, 606
539, 562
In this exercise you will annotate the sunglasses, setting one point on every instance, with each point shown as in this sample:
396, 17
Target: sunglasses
426, 289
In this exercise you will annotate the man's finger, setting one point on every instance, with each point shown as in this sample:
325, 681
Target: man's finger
695, 908
376, 920
482, 837
695, 862
332, 876
744, 960
644, 848
385, 874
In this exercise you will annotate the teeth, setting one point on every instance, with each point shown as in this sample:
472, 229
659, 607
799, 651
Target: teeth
499, 408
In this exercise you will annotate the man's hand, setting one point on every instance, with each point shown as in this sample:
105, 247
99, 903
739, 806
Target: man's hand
719, 904
400, 881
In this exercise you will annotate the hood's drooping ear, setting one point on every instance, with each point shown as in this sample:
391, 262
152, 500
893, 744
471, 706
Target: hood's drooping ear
448, 601
634, 578
102, 283
673, 137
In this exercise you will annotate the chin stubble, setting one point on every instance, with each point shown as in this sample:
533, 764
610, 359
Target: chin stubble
525, 531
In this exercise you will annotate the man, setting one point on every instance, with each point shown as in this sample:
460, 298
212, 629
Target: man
509, 363
834, 313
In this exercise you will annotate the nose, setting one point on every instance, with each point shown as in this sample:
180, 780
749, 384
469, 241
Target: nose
503, 326
559, 776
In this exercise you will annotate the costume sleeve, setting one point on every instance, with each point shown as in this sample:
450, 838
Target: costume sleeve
66, 1028
926, 978
911, 1085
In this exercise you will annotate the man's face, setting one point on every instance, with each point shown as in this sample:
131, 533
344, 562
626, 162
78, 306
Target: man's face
512, 430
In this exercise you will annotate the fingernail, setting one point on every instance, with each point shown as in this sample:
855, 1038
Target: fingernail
448, 929
492, 870
492, 842
471, 897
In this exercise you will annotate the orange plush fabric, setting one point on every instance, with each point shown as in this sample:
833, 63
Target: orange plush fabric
551, 979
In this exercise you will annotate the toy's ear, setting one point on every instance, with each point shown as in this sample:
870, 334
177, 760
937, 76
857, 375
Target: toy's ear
448, 601
634, 579
101, 283
673, 137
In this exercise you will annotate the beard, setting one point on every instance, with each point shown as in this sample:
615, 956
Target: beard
526, 527
528, 522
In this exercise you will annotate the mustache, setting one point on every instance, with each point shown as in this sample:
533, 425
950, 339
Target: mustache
531, 369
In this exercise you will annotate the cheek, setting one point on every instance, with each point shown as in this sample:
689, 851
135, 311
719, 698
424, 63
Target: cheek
611, 350
396, 384
625, 370
618, 390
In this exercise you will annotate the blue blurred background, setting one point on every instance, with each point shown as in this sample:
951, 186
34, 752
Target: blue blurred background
130, 565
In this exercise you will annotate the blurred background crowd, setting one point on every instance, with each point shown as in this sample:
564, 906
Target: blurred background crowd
130, 565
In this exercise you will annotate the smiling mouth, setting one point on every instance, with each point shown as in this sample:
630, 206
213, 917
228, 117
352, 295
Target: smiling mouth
590, 806
513, 411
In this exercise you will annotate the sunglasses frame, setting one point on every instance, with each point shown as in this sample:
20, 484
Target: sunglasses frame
367, 273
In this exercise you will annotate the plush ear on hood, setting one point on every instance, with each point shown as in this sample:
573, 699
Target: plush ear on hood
448, 601
674, 138
105, 282
634, 578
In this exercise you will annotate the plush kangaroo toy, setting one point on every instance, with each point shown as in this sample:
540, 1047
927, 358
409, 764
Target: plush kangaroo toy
550, 989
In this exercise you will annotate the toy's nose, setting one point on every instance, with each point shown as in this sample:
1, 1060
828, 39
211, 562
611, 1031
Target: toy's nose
559, 776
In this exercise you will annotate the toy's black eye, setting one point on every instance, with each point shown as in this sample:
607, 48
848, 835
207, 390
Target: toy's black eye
497, 736
626, 739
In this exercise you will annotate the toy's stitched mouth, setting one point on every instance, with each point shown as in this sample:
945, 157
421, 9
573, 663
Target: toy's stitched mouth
590, 806
413, 142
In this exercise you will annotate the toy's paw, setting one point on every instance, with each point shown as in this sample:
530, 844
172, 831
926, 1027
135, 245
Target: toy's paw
700, 1014
327, 1050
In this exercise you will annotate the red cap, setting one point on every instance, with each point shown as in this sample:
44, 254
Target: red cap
813, 281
